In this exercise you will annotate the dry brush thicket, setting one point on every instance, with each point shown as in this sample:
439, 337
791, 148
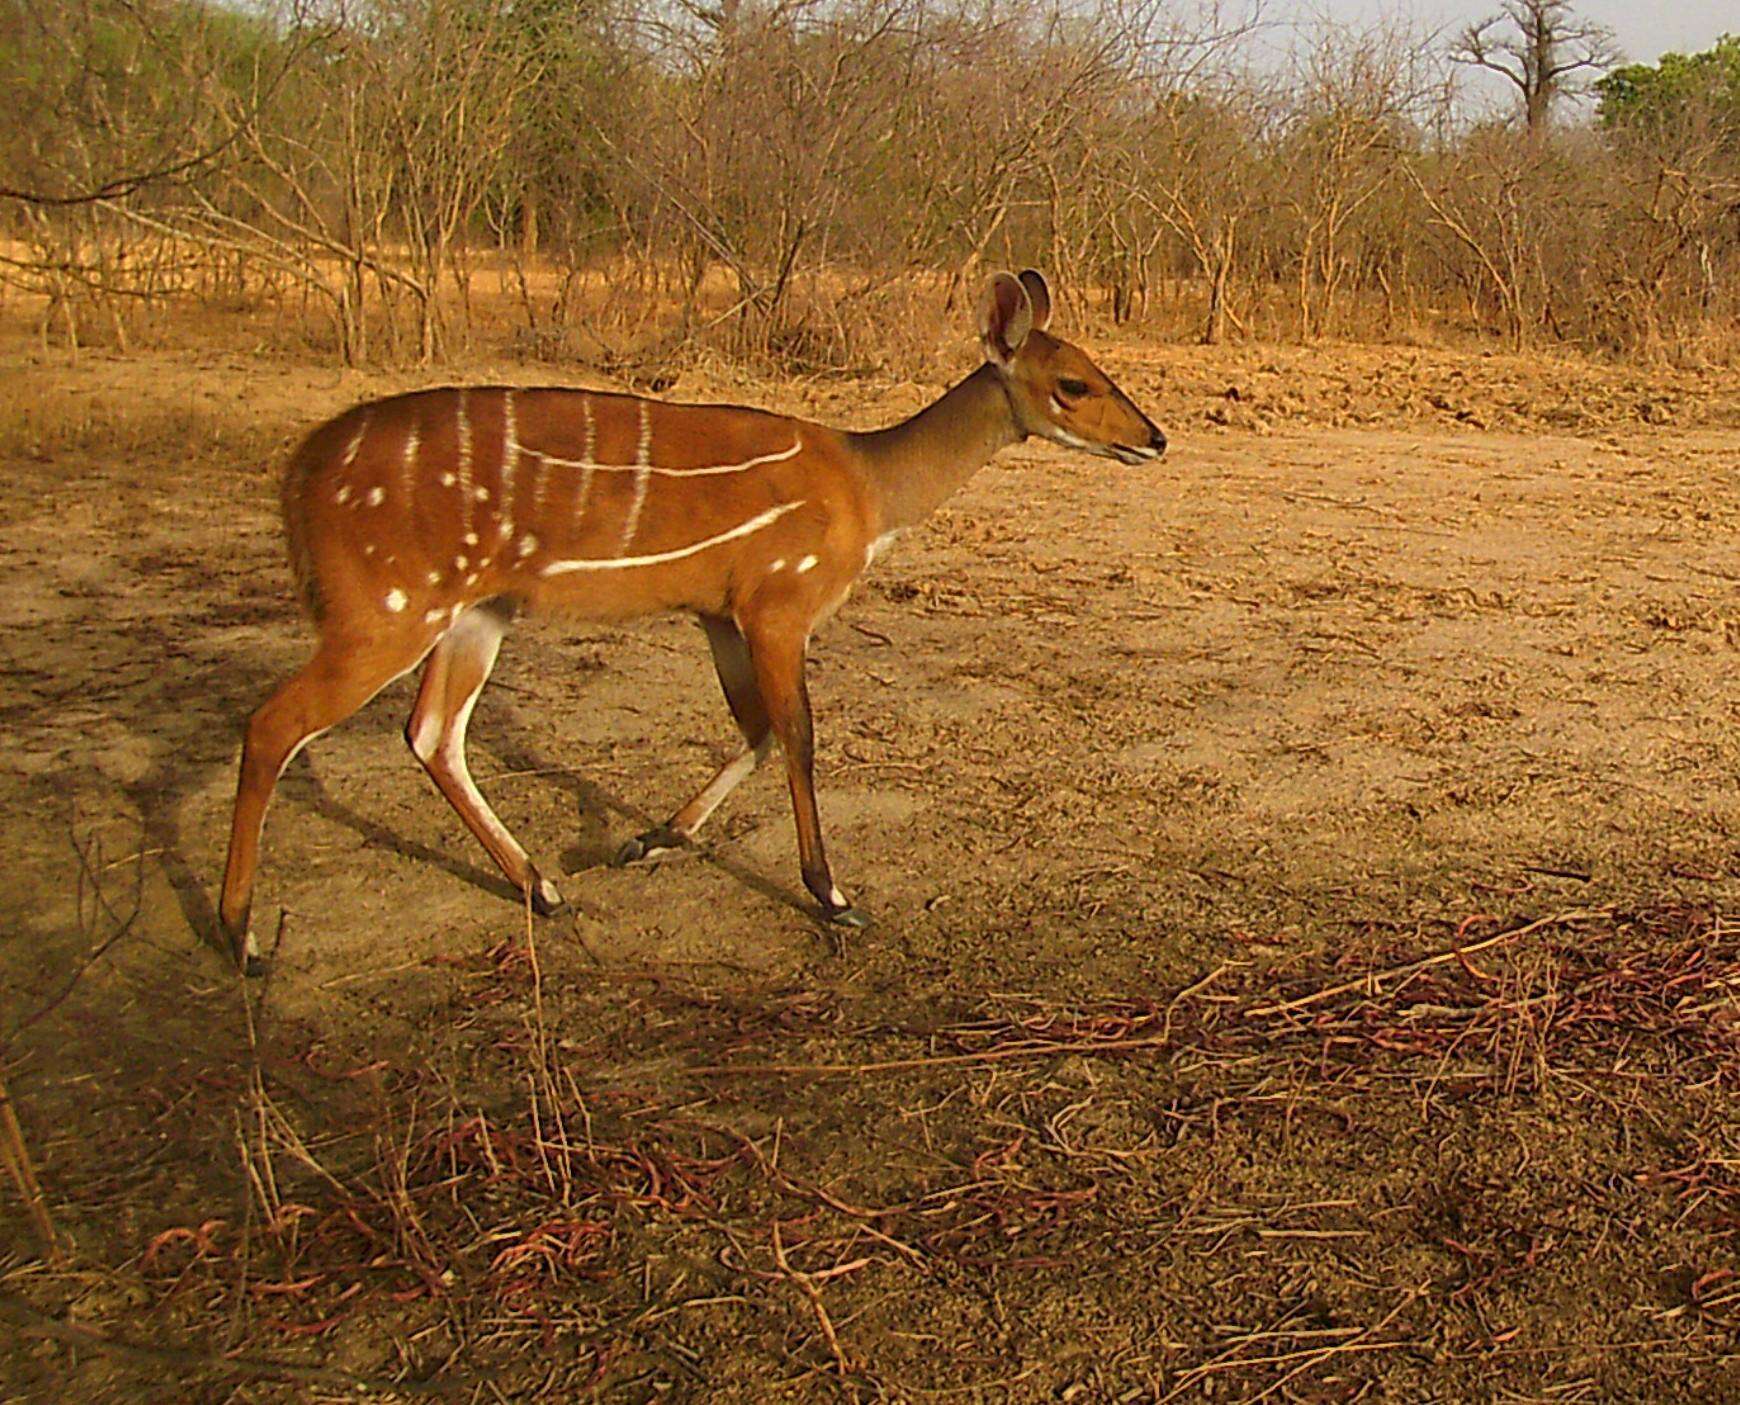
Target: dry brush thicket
802, 180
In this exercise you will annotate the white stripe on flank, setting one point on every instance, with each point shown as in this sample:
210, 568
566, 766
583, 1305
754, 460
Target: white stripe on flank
642, 470
586, 446
744, 529
356, 439
510, 458
463, 468
410, 465
701, 470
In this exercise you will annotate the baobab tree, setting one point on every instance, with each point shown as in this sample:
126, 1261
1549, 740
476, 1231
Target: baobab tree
1542, 49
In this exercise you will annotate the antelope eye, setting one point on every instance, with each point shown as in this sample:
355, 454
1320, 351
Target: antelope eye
1072, 389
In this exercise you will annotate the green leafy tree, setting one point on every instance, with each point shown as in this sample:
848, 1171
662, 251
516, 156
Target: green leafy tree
1642, 94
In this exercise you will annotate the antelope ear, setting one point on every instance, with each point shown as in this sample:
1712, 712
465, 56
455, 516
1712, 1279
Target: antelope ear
1005, 318
1039, 295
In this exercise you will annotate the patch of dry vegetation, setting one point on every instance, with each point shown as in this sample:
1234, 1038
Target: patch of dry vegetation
686, 1215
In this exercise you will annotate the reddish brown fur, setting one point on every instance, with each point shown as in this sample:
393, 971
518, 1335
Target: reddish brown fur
419, 524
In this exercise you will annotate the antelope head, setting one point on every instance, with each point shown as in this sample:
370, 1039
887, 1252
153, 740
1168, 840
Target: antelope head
1054, 388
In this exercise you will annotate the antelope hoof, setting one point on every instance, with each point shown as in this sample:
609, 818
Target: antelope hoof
645, 845
244, 950
838, 909
547, 900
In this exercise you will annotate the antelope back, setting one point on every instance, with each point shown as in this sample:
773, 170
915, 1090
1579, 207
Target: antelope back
418, 505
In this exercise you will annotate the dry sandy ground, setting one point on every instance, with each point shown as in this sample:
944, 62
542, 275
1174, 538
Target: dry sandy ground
1393, 651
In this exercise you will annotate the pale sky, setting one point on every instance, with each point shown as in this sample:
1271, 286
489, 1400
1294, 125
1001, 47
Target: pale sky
1646, 29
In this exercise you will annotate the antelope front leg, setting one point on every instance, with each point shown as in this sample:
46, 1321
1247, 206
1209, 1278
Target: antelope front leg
737, 679
778, 660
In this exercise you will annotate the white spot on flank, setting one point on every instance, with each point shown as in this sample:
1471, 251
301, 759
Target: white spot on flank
434, 578
754, 524
369, 549
461, 562
471, 538
778, 565
395, 600
342, 495
471, 579
377, 495
431, 616
482, 495
807, 564
528, 544
448, 480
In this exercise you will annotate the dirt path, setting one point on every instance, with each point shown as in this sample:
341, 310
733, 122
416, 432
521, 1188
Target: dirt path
1299, 700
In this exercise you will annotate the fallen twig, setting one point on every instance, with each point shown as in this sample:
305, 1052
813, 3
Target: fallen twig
1371, 980
17, 1158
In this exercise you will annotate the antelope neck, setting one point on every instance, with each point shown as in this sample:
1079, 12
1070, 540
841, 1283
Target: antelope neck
917, 463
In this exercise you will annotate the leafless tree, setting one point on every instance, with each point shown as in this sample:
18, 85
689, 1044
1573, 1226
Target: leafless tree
1542, 49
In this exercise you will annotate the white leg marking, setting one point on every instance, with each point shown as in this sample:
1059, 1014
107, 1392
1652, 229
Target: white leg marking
427, 737
837, 898
453, 748
754, 524
731, 775
877, 547
807, 564
296, 750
